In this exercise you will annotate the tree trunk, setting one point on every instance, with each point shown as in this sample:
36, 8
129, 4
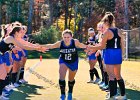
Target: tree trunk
51, 13
75, 18
66, 13
70, 16
0, 13
19, 9
30, 16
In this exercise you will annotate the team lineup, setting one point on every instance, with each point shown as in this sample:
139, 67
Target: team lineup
106, 47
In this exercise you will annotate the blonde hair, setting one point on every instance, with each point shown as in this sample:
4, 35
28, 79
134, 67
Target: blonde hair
109, 19
100, 25
24, 27
16, 23
2, 32
67, 31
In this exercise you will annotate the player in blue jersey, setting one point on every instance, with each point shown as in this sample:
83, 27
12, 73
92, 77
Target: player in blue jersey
68, 61
113, 43
92, 58
6, 45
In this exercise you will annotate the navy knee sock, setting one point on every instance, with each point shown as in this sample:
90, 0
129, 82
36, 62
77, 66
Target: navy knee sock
2, 85
71, 85
112, 87
121, 86
62, 85
14, 76
91, 72
96, 73
21, 73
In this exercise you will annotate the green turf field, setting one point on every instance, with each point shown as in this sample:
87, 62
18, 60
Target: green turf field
43, 82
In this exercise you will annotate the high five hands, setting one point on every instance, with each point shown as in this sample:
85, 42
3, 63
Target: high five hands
43, 49
89, 50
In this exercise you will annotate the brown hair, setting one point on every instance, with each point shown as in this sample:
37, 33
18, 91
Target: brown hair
67, 31
15, 29
109, 19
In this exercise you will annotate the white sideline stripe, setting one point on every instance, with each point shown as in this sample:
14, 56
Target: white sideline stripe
32, 68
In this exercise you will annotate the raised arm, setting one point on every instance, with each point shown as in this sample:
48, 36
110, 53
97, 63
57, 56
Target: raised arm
53, 46
10, 39
79, 45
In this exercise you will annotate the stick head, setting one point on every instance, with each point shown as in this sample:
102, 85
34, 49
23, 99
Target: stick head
40, 57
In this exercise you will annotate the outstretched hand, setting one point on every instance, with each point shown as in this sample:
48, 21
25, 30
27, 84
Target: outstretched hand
43, 49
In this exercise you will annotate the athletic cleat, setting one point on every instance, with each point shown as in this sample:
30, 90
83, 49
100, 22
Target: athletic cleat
91, 81
3, 98
69, 96
22, 81
96, 81
108, 97
102, 85
112, 98
16, 85
4, 91
121, 97
5, 94
101, 82
62, 97
105, 87
9, 87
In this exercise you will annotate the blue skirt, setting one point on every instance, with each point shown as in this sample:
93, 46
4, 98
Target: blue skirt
6, 59
19, 56
72, 66
92, 57
113, 56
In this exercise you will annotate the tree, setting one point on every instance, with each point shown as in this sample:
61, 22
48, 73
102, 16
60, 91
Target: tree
30, 16
0, 12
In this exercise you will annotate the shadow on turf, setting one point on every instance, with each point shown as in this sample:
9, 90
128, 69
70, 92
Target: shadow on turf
133, 94
23, 92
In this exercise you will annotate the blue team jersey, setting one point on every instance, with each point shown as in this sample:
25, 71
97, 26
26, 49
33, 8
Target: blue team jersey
113, 52
69, 55
92, 42
4, 52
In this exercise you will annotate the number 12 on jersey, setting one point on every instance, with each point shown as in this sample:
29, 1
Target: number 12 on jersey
67, 56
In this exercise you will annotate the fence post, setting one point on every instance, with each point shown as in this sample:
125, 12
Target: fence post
126, 45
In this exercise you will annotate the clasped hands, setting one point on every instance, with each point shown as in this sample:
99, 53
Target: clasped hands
89, 50
42, 48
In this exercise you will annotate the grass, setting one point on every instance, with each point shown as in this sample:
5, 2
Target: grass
38, 89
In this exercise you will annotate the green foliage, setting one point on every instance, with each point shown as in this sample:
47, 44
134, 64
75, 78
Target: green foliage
45, 36
13, 10
108, 5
